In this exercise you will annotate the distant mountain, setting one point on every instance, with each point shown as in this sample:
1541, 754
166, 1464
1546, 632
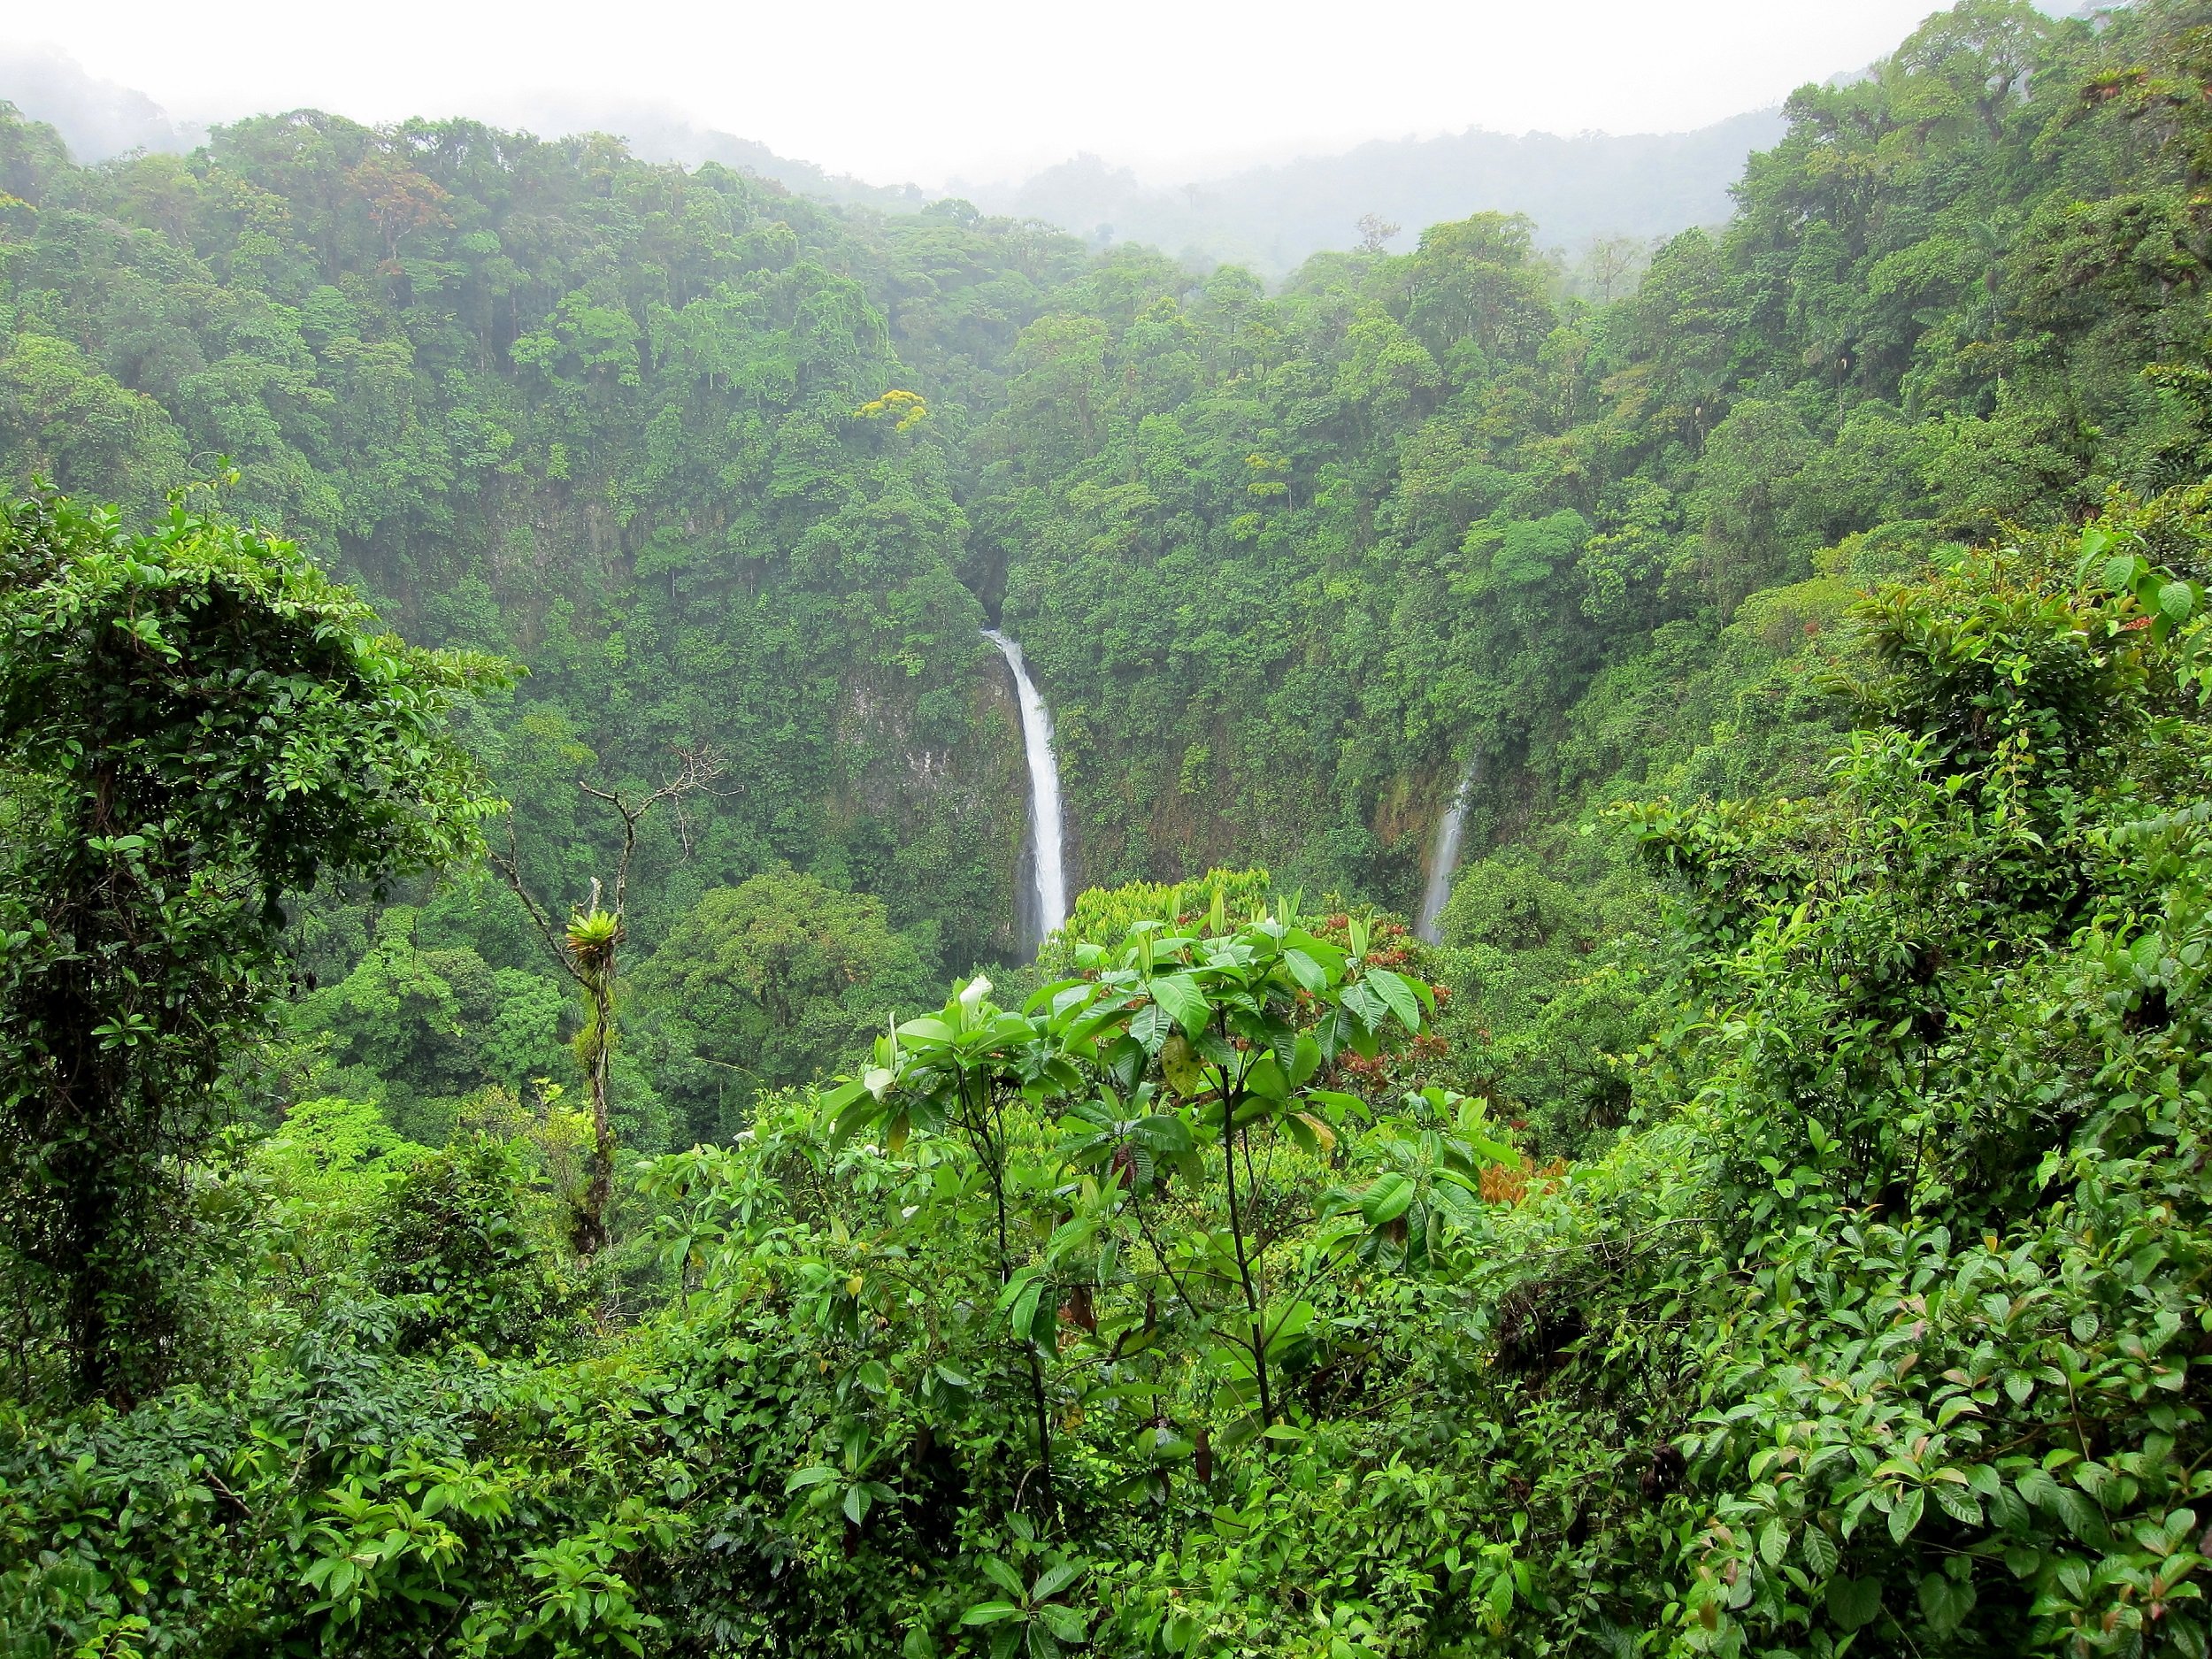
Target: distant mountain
98, 119
1268, 217
1272, 218
95, 119
662, 134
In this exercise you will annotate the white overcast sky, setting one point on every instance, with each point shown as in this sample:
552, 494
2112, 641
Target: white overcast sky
925, 90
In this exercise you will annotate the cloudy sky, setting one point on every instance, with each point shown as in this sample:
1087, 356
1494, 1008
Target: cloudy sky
926, 90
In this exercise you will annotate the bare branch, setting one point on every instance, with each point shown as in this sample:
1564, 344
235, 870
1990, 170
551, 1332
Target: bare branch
698, 769
509, 868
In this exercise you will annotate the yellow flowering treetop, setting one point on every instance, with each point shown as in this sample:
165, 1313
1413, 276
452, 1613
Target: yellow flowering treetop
906, 409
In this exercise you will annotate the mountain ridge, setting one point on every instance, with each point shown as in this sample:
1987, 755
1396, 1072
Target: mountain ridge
1270, 217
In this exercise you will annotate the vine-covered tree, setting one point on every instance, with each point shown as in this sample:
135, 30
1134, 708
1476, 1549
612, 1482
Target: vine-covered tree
194, 724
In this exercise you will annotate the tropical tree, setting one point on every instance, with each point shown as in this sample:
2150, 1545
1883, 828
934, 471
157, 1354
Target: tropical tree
777, 981
1200, 1059
586, 948
195, 724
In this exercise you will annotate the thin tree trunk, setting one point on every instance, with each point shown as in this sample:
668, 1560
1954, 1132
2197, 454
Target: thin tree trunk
591, 1233
993, 1165
1244, 1265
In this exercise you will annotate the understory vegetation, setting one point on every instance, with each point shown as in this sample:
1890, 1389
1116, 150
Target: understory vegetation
547, 1139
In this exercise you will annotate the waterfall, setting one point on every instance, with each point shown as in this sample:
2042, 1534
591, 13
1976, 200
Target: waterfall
1444, 857
1046, 829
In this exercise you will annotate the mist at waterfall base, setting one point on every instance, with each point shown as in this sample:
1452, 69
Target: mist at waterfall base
1048, 830
1444, 857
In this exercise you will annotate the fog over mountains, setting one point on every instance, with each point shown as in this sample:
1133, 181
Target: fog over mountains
1271, 217
96, 119
1593, 185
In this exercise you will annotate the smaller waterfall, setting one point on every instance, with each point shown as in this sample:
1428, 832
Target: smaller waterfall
1047, 830
1444, 856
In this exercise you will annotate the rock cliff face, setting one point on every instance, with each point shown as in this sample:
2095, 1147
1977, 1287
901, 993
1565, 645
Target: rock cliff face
961, 803
1163, 813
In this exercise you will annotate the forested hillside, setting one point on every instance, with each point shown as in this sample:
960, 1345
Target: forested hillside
489, 808
620, 422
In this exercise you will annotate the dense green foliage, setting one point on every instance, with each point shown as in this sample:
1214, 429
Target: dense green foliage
777, 981
1774, 1219
1284, 564
543, 399
194, 722
1183, 1313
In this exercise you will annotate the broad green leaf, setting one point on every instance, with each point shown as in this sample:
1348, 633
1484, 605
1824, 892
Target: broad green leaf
1959, 1503
1050, 995
1242, 1431
839, 1098
1364, 998
1152, 1025
1290, 1324
1071, 1624
1945, 1601
1053, 1580
855, 1117
1854, 1603
1021, 1280
1336, 1103
1101, 1019
1398, 995
1388, 1197
1774, 1541
1906, 1515
1162, 1132
1183, 999
1494, 1151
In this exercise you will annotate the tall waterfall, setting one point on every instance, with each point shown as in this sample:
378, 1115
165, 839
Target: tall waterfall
1046, 829
1444, 857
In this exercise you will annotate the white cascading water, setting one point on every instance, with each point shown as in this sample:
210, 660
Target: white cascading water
1046, 829
1444, 857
